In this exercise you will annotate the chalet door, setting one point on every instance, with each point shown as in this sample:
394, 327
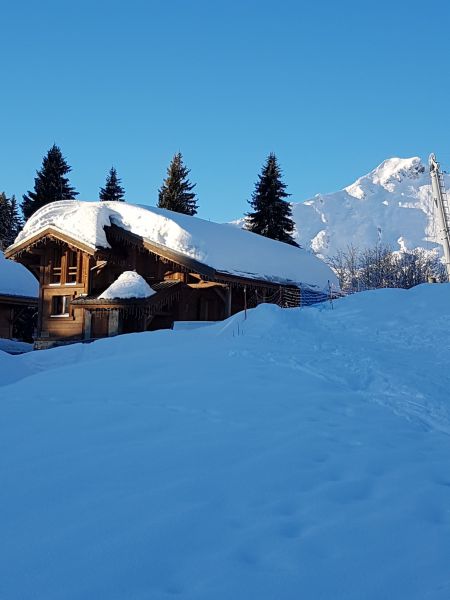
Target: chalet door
99, 324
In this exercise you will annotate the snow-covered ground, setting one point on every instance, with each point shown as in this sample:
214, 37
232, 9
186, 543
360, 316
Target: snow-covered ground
302, 453
14, 346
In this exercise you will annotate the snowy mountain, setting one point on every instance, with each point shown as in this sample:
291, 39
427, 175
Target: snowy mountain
299, 453
392, 204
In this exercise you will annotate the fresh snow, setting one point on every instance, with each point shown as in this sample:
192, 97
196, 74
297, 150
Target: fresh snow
301, 453
223, 247
16, 280
392, 204
14, 346
128, 285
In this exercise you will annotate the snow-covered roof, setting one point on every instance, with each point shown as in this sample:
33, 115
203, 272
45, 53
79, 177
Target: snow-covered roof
16, 280
128, 285
223, 247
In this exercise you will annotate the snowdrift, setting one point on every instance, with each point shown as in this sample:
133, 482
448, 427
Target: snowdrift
298, 453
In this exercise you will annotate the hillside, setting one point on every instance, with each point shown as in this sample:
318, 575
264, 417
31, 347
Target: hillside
392, 204
300, 453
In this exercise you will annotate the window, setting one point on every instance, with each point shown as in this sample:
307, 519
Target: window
64, 266
56, 267
60, 306
72, 266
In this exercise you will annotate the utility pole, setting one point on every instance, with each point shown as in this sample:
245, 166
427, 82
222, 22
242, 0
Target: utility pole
441, 202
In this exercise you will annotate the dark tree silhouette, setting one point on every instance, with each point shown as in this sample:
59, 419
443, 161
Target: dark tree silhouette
50, 184
10, 221
176, 192
112, 190
272, 215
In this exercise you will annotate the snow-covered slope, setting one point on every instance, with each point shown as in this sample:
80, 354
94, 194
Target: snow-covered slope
225, 248
16, 280
302, 453
392, 204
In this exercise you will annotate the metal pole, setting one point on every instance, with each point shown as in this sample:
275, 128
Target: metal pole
442, 209
245, 302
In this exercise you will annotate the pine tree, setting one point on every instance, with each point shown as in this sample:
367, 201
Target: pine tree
272, 215
10, 220
176, 191
16, 218
50, 184
112, 190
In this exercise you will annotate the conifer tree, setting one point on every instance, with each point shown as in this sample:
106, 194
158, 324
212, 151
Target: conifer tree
112, 191
50, 184
176, 191
272, 215
10, 220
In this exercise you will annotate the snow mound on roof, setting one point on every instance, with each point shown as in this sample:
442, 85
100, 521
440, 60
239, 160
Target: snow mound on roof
225, 248
128, 285
16, 280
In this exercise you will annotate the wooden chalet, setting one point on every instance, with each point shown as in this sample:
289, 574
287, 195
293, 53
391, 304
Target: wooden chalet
73, 274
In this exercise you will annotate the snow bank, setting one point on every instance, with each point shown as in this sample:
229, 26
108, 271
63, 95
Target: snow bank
223, 247
312, 459
16, 280
14, 346
128, 285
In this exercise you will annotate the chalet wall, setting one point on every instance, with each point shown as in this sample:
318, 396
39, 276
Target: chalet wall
73, 282
191, 292
6, 319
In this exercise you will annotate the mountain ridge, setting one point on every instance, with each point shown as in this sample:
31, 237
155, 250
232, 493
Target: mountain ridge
392, 205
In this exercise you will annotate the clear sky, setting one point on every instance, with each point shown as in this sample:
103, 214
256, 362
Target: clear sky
332, 87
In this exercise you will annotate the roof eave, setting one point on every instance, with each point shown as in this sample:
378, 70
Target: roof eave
18, 247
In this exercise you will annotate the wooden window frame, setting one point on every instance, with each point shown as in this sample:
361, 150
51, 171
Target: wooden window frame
65, 306
65, 270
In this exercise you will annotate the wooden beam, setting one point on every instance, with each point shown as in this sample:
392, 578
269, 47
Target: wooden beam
47, 232
228, 303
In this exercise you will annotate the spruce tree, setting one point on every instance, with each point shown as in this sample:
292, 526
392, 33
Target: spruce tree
272, 215
176, 191
10, 220
50, 184
112, 190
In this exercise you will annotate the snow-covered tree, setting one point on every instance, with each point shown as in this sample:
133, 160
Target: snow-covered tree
272, 215
380, 267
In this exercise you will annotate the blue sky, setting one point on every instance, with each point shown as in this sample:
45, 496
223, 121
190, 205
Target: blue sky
332, 88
